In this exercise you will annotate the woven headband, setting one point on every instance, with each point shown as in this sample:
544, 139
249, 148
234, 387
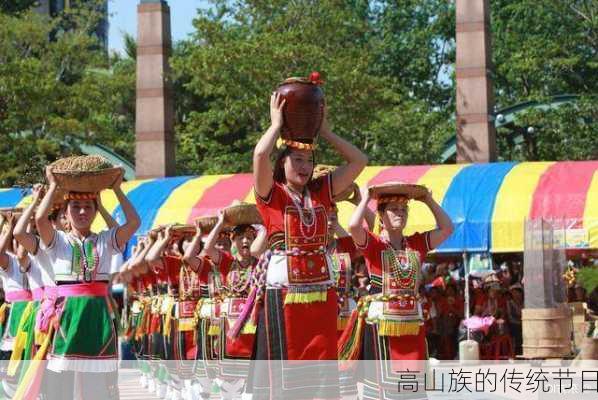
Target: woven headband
80, 196
403, 200
298, 145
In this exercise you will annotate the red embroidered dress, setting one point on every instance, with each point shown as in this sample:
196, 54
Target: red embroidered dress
394, 314
342, 252
299, 269
236, 287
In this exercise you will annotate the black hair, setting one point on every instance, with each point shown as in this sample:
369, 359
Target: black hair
240, 229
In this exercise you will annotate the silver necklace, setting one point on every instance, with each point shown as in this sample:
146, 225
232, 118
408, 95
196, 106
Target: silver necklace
307, 221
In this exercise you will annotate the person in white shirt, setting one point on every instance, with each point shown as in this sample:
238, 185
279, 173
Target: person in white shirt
82, 261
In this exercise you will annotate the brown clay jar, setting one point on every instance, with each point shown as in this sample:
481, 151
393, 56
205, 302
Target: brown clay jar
303, 111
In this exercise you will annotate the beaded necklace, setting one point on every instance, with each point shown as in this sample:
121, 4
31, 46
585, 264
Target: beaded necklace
405, 274
85, 258
239, 276
307, 220
187, 279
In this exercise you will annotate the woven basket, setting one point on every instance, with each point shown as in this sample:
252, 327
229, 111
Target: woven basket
181, 231
242, 214
206, 223
408, 190
87, 181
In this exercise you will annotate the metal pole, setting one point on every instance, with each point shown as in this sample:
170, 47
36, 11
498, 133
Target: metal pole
466, 269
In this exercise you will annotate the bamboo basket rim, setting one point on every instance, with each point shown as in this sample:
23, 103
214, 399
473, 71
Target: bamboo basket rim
87, 181
409, 190
206, 222
242, 214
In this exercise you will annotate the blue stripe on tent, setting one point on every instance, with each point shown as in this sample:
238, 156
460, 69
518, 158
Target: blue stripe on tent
12, 197
147, 199
469, 201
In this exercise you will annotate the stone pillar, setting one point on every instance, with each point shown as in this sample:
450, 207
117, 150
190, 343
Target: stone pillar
476, 136
154, 122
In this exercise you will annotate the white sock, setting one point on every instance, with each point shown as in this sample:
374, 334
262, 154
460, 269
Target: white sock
161, 390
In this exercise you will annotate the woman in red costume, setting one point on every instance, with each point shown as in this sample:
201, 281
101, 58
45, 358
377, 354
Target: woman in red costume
298, 317
235, 268
390, 326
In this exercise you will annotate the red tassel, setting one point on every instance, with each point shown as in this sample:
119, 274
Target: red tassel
349, 344
314, 78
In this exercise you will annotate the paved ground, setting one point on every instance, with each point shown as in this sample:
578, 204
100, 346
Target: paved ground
130, 388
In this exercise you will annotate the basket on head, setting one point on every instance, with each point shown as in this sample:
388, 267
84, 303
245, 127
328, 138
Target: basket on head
240, 213
347, 194
206, 223
85, 174
180, 231
303, 112
407, 190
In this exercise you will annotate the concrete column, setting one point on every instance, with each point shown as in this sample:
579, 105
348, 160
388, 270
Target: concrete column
154, 121
476, 136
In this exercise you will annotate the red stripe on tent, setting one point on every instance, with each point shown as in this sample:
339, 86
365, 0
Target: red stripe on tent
562, 190
221, 194
405, 174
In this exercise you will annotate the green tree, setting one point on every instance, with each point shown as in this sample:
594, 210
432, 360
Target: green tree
58, 88
543, 48
241, 52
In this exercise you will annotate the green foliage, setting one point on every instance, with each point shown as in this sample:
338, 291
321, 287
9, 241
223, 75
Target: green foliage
58, 88
387, 66
588, 277
240, 52
569, 132
543, 48
15, 6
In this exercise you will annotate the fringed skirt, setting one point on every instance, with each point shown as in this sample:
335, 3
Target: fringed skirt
296, 331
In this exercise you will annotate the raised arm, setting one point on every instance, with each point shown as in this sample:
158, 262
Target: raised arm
443, 222
210, 248
340, 231
138, 263
132, 221
5, 240
344, 175
370, 217
44, 227
154, 255
262, 167
356, 229
260, 244
191, 256
110, 222
26, 238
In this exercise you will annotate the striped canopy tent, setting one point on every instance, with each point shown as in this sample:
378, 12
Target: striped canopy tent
488, 203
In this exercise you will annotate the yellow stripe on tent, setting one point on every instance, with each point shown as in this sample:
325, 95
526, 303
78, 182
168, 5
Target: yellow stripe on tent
590, 215
345, 209
177, 208
437, 179
512, 205
110, 202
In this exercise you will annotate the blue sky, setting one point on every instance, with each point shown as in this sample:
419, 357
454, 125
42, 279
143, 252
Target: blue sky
123, 18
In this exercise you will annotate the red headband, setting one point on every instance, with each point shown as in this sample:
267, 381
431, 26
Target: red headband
394, 198
80, 196
299, 145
